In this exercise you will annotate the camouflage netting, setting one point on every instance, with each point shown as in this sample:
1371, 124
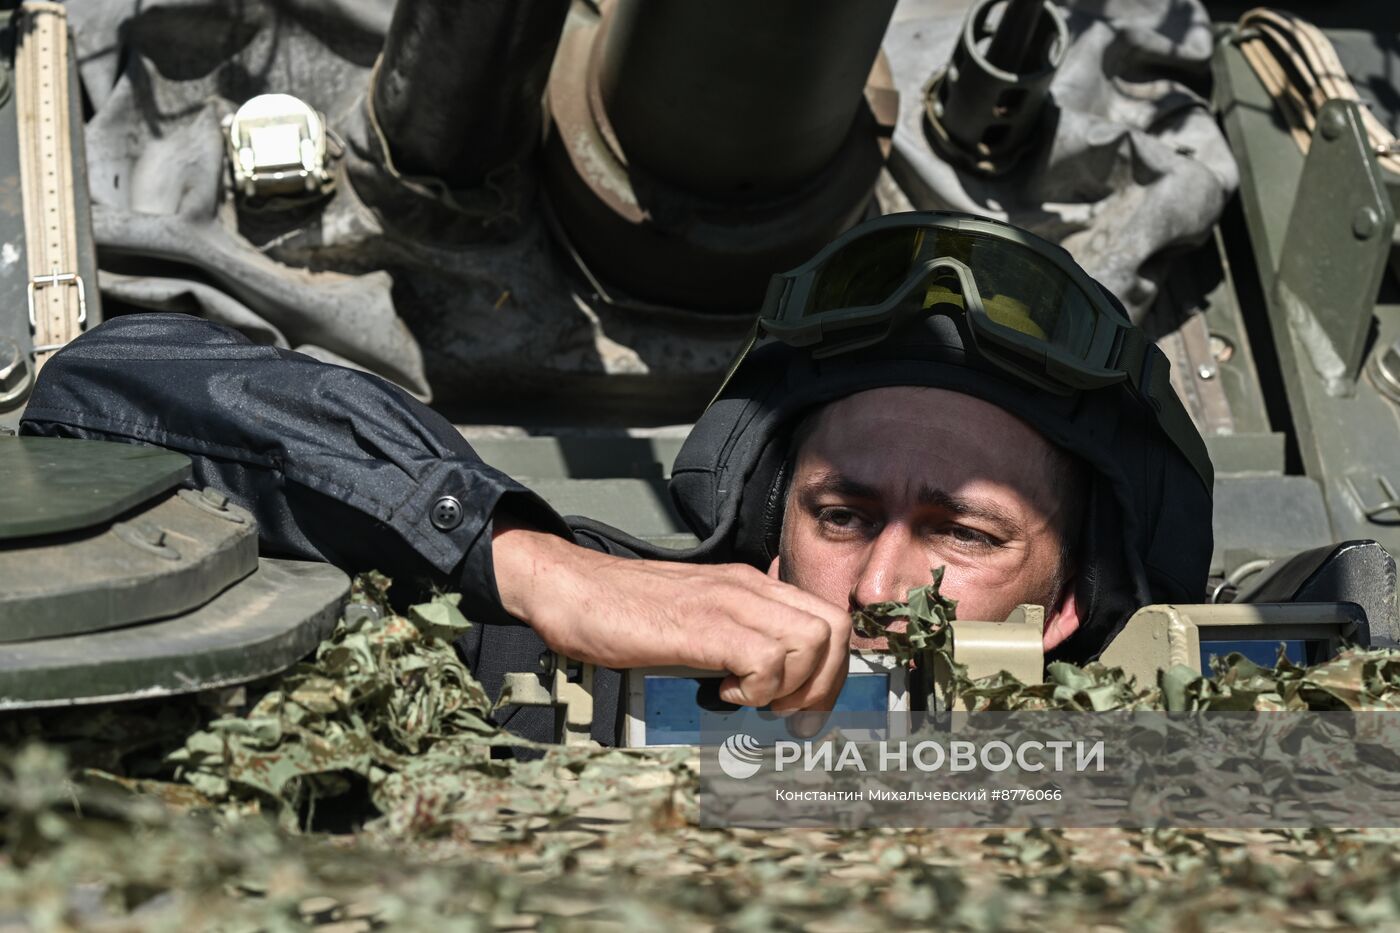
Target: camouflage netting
358, 791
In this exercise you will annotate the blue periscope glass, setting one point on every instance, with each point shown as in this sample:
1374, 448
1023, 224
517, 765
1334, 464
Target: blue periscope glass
1264, 653
674, 704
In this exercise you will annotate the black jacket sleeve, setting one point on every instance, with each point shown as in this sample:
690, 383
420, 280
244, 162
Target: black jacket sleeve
335, 464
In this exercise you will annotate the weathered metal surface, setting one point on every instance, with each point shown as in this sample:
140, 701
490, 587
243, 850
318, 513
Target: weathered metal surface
1336, 247
259, 626
637, 506
1246, 453
1346, 442
579, 457
1257, 517
1012, 645
1195, 375
169, 558
1202, 284
16, 375
1199, 323
55, 485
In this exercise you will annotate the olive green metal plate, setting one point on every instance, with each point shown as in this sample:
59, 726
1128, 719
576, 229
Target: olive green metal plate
53, 485
1336, 248
261, 625
113, 575
637, 506
1347, 439
531, 458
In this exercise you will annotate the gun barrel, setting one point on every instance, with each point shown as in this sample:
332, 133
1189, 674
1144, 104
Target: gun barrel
460, 85
733, 97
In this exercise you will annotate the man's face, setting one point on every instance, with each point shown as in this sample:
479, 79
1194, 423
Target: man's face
893, 482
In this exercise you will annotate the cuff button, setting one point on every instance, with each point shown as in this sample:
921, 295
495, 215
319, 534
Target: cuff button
446, 513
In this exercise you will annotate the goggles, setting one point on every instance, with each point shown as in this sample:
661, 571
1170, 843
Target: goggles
1019, 303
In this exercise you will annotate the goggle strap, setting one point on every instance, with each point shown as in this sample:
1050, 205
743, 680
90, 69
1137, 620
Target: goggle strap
739, 357
1172, 416
773, 297
1132, 358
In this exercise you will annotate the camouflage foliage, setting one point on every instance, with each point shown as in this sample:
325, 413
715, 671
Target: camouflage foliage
925, 615
366, 789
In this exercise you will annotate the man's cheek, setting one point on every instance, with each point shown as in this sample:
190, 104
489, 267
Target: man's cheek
982, 595
810, 564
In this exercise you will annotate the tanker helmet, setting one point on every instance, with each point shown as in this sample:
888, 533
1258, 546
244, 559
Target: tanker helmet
980, 307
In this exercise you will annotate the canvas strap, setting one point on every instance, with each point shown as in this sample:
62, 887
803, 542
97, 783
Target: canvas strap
1299, 68
57, 303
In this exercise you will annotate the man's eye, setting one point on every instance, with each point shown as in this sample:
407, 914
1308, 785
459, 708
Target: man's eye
971, 536
838, 518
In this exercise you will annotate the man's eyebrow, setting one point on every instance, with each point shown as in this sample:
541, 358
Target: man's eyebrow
984, 509
830, 481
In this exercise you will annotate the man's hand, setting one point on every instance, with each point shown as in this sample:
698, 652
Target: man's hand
780, 645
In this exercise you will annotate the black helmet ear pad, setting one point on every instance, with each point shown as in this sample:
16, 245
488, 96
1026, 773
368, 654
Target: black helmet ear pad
1104, 602
759, 531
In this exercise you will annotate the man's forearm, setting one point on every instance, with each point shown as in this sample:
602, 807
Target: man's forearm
525, 560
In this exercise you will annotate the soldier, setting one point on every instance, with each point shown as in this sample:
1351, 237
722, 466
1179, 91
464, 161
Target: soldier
930, 389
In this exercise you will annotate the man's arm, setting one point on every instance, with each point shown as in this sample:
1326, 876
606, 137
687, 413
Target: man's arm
779, 644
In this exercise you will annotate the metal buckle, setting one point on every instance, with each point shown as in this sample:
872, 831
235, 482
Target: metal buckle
54, 279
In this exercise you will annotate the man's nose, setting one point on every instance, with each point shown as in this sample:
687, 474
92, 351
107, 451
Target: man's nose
894, 564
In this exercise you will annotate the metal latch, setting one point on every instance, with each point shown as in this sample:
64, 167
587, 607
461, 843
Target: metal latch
569, 694
1382, 510
277, 146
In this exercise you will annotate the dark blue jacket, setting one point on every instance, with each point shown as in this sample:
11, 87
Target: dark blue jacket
336, 464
